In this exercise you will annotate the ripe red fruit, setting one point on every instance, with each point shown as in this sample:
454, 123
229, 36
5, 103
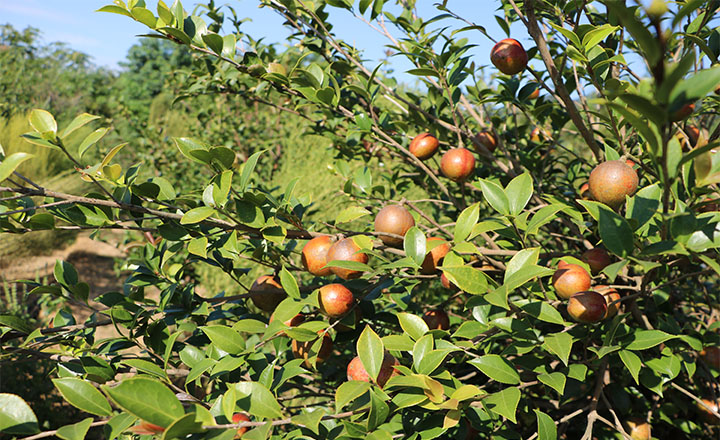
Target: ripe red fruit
356, 370
487, 139
424, 146
509, 56
239, 418
597, 258
447, 284
303, 350
706, 415
570, 279
611, 295
314, 255
266, 293
638, 429
436, 320
393, 219
683, 112
457, 164
346, 250
587, 307
335, 300
711, 356
611, 181
434, 257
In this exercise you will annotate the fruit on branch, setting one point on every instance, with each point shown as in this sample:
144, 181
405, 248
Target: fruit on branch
711, 356
356, 370
335, 300
570, 279
537, 135
611, 181
457, 164
393, 219
585, 191
706, 415
292, 322
638, 429
239, 418
683, 112
487, 139
597, 258
424, 146
446, 283
266, 293
587, 307
341, 328
434, 257
436, 319
314, 255
303, 349
509, 56
535, 93
346, 250
611, 295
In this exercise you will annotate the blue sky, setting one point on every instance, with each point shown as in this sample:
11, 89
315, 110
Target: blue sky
107, 37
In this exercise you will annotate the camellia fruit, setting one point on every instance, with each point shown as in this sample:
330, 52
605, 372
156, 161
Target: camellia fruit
611, 295
239, 418
683, 112
346, 250
457, 164
587, 307
393, 219
436, 319
570, 279
711, 356
266, 293
434, 257
356, 370
638, 429
303, 350
509, 56
314, 255
585, 191
292, 322
446, 283
597, 258
611, 181
706, 415
335, 300
424, 146
487, 139
535, 93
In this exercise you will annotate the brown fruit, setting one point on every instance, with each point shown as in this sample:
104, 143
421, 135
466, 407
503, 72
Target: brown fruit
638, 429
509, 56
585, 191
393, 219
239, 418
292, 322
611, 295
706, 415
487, 139
303, 350
356, 370
457, 164
611, 181
346, 250
436, 319
587, 307
711, 356
266, 293
597, 258
335, 300
314, 255
424, 146
434, 257
341, 328
683, 112
570, 279
446, 283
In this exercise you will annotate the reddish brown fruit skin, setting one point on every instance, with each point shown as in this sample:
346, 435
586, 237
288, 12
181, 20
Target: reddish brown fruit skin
706, 415
147, 428
585, 192
611, 181
487, 139
639, 429
611, 295
345, 250
711, 356
570, 279
447, 284
509, 56
424, 146
335, 300
587, 307
292, 322
393, 219
301, 350
436, 320
457, 164
356, 370
314, 256
434, 257
239, 418
683, 112
535, 94
597, 258
267, 293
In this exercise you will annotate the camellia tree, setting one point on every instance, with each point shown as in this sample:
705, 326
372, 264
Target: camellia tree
528, 246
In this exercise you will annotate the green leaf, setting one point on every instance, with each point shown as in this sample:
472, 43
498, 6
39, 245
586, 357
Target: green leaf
42, 121
542, 310
15, 323
518, 192
644, 339
542, 217
83, 395
289, 283
616, 233
247, 170
196, 215
423, 71
350, 214
10, 164
466, 221
413, 325
118, 424
560, 345
467, 278
147, 399
504, 403
76, 431
497, 368
495, 196
554, 380
547, 430
198, 246
183, 427
78, 122
214, 42
262, 402
414, 245
349, 391
694, 87
91, 140
115, 10
371, 351
224, 338
146, 367
16, 416
524, 258
65, 273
